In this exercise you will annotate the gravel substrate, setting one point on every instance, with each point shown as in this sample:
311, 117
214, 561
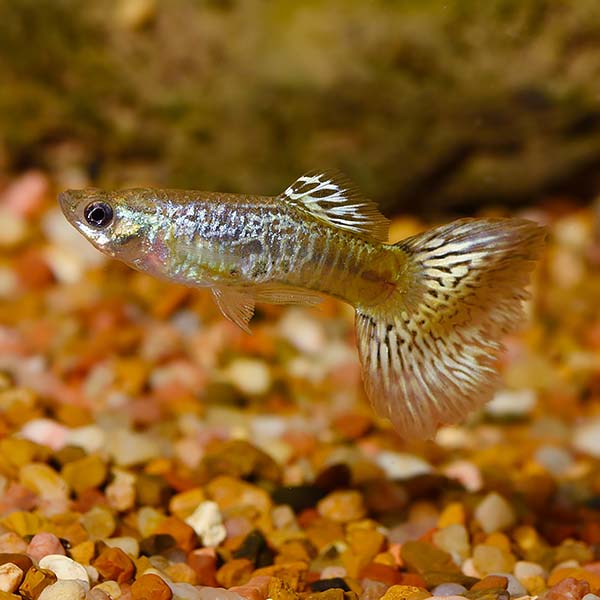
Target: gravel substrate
151, 450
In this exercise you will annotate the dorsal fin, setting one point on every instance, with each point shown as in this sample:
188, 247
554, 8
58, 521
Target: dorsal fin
331, 197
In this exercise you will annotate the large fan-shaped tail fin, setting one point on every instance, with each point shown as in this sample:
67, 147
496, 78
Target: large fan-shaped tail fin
429, 353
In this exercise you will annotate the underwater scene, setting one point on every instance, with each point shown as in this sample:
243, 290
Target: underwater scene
299, 300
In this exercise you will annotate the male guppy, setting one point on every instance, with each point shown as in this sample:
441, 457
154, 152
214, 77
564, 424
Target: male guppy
429, 310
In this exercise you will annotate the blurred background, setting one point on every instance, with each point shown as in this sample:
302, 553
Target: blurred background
431, 106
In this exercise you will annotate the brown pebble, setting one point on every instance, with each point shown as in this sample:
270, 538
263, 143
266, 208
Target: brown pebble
235, 572
151, 490
150, 587
114, 564
9, 596
181, 532
490, 582
21, 560
205, 567
35, 581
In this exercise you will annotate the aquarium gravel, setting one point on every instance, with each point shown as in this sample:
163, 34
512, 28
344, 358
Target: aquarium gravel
151, 450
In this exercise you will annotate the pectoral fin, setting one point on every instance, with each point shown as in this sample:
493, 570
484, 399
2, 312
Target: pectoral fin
236, 305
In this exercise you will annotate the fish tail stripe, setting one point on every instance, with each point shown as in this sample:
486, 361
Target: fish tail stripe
429, 354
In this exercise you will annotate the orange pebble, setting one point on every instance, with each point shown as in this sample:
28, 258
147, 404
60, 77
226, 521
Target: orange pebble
183, 534
150, 587
577, 573
113, 563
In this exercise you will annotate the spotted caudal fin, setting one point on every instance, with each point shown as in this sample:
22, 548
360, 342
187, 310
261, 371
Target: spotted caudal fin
429, 353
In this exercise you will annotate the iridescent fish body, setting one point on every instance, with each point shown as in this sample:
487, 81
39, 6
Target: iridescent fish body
430, 310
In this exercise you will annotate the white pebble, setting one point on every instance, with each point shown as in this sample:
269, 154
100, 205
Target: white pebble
249, 375
207, 522
66, 568
494, 513
302, 331
555, 460
10, 577
586, 438
467, 473
448, 589
512, 403
468, 569
64, 590
591, 597
524, 569
399, 465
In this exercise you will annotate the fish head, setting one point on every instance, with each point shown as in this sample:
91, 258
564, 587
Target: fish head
117, 223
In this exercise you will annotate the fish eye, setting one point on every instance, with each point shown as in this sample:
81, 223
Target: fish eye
98, 214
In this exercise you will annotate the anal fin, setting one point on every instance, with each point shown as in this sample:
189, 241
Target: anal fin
236, 305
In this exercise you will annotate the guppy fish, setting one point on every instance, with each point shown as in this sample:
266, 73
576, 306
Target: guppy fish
429, 310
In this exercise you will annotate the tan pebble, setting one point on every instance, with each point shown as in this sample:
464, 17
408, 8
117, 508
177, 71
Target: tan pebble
44, 543
490, 559
454, 539
342, 506
229, 492
10, 577
128, 544
148, 519
87, 472
235, 572
494, 513
110, 588
11, 543
150, 587
44, 481
99, 594
99, 522
181, 573
120, 493
35, 581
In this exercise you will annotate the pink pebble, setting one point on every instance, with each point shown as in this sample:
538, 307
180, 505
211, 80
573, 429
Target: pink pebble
26, 195
11, 543
567, 589
237, 526
256, 589
45, 432
43, 544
